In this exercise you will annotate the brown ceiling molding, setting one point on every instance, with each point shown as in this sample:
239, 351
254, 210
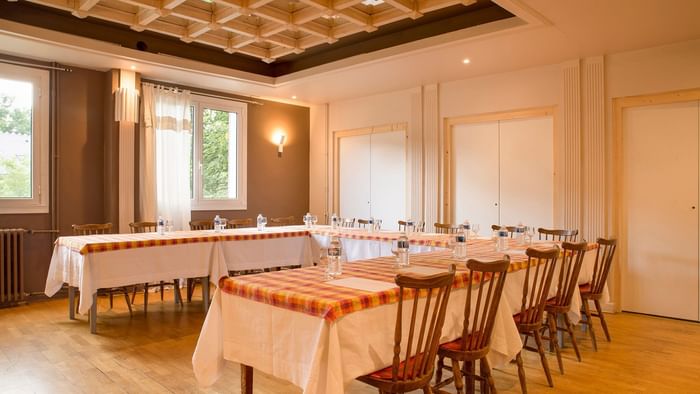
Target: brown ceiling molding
438, 22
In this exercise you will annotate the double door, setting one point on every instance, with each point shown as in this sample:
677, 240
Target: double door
660, 210
503, 172
372, 176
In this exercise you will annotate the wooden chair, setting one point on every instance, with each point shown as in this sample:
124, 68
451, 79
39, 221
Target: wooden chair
593, 291
414, 369
475, 342
102, 228
557, 235
347, 222
443, 228
362, 223
511, 229
538, 279
283, 221
560, 304
418, 227
240, 223
146, 227
197, 225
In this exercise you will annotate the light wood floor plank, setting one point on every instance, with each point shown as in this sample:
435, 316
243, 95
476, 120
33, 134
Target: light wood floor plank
41, 351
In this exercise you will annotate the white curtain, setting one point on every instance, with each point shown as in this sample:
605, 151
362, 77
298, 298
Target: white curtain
165, 150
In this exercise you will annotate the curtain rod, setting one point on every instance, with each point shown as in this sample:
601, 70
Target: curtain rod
205, 94
7, 61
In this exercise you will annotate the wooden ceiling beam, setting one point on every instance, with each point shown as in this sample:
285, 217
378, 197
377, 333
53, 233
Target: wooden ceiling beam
403, 5
147, 4
171, 4
193, 14
345, 30
271, 28
306, 15
284, 41
390, 16
274, 14
359, 18
223, 15
343, 4
426, 6
241, 28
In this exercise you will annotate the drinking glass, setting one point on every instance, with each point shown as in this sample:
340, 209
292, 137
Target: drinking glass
475, 229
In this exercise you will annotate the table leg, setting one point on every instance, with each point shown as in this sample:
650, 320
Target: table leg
205, 292
93, 315
246, 379
71, 302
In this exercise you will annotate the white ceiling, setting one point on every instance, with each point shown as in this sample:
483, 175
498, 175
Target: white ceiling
547, 32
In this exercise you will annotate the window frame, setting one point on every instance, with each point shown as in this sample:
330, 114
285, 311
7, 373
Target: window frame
39, 203
199, 203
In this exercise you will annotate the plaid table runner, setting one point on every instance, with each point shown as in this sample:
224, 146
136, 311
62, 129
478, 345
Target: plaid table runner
422, 239
86, 244
304, 290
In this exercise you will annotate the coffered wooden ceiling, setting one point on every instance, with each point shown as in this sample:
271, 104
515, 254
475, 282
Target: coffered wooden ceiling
284, 32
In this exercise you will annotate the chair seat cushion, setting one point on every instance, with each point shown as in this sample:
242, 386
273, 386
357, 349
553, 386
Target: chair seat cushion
386, 373
518, 316
456, 345
584, 288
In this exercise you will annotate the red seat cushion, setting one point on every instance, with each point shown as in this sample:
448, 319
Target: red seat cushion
584, 288
456, 345
386, 372
517, 317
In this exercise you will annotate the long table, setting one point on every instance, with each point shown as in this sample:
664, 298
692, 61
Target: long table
92, 262
322, 335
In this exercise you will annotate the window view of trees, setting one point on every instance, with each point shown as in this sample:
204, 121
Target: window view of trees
15, 139
215, 153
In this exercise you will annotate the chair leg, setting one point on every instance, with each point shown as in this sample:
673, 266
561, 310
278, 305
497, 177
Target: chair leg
602, 319
552, 327
457, 373
128, 302
145, 298
427, 390
570, 328
543, 357
133, 295
589, 323
469, 370
162, 290
486, 371
111, 300
521, 372
190, 289
176, 291
438, 370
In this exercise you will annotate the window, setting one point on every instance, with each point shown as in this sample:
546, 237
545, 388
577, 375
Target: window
24, 140
218, 169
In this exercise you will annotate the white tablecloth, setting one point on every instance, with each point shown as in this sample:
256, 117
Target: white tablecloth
318, 356
250, 254
105, 269
362, 249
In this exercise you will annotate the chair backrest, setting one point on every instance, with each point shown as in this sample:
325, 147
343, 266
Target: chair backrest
603, 262
557, 235
282, 221
569, 268
240, 223
90, 229
201, 225
347, 222
538, 279
444, 228
489, 278
425, 327
362, 223
143, 227
418, 227
511, 229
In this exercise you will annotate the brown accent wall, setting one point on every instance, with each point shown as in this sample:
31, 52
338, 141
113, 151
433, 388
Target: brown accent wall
80, 170
277, 186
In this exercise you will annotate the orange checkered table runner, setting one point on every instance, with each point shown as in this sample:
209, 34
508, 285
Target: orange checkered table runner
422, 239
305, 290
85, 244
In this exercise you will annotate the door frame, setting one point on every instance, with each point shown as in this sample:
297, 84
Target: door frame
619, 216
338, 135
445, 194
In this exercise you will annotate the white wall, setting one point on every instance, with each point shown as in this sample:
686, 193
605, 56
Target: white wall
571, 87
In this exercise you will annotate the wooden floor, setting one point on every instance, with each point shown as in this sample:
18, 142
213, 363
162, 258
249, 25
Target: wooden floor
41, 351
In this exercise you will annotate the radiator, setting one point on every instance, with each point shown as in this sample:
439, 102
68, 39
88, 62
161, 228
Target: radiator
11, 266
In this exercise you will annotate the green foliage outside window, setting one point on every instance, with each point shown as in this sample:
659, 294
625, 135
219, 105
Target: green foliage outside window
15, 170
215, 150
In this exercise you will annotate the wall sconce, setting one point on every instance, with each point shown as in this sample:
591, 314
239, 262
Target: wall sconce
279, 139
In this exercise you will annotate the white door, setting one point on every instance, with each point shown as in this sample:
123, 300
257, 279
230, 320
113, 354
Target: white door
388, 178
354, 173
475, 174
660, 159
527, 172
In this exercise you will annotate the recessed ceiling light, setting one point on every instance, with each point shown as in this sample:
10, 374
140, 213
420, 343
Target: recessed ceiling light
294, 97
466, 61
